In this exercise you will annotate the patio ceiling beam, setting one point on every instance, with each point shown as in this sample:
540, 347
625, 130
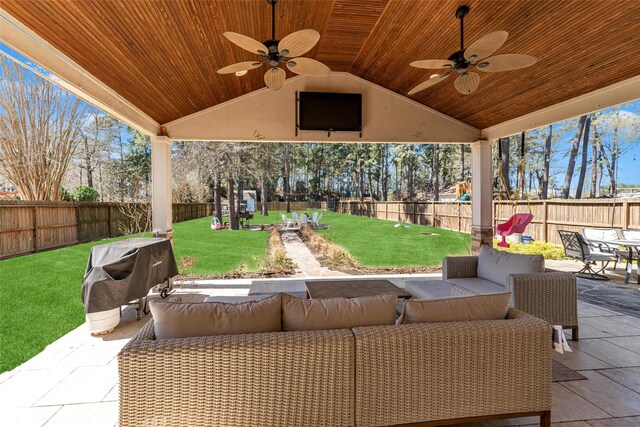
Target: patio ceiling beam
67, 74
615, 94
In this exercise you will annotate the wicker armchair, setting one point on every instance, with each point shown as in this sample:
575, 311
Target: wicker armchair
549, 296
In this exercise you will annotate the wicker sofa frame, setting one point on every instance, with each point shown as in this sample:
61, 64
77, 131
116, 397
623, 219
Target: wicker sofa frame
419, 374
552, 296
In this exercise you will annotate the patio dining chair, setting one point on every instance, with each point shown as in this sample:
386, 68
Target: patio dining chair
602, 234
576, 247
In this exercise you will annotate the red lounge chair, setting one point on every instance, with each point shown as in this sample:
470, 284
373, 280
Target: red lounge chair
515, 224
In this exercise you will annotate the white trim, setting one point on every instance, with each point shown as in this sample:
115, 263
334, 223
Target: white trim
70, 76
293, 79
615, 94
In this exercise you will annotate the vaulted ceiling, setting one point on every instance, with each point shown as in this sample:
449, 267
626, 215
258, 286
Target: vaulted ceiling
162, 55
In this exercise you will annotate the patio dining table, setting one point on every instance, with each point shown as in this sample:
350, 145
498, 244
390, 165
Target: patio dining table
631, 245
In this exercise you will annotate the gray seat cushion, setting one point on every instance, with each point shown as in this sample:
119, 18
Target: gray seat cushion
429, 288
478, 285
496, 266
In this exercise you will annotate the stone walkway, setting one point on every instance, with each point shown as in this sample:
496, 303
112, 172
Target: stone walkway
300, 254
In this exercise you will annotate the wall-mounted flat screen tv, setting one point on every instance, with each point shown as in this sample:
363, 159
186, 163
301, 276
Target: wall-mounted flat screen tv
329, 111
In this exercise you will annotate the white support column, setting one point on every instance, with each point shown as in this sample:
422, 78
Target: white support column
161, 207
481, 195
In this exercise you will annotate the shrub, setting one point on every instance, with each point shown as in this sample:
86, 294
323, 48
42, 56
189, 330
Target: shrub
65, 195
548, 250
84, 193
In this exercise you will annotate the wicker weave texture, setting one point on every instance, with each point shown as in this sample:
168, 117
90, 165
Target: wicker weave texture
549, 296
457, 267
439, 371
275, 379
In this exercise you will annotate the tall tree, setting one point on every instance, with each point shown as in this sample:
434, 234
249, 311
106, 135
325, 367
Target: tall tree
39, 131
504, 164
572, 157
583, 162
384, 165
435, 168
547, 161
594, 166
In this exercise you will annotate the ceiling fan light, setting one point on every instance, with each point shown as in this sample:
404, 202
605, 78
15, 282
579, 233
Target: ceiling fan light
275, 70
433, 76
241, 73
285, 52
273, 63
262, 53
483, 64
291, 64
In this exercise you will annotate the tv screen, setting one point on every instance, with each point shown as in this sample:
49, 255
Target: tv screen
330, 111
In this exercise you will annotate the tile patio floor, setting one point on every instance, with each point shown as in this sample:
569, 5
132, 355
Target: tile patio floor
73, 382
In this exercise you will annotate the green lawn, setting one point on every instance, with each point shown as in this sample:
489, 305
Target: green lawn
377, 243
40, 293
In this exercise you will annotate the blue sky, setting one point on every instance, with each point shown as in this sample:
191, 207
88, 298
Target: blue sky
629, 161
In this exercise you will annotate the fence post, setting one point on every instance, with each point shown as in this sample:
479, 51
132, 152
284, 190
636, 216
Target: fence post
35, 228
109, 229
459, 219
625, 215
545, 232
77, 222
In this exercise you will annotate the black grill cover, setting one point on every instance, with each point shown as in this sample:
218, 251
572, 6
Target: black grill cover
120, 272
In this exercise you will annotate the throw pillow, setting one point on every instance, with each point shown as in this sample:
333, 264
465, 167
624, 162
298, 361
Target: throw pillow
181, 320
300, 314
496, 265
456, 309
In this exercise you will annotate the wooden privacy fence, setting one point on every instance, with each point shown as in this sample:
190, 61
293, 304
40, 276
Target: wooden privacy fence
549, 215
27, 227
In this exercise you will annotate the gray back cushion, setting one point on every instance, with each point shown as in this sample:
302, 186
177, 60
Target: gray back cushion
300, 314
182, 320
496, 265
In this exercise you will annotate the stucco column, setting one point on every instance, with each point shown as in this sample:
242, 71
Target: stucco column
161, 208
481, 196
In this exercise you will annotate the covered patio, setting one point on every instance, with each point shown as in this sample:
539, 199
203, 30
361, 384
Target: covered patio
152, 65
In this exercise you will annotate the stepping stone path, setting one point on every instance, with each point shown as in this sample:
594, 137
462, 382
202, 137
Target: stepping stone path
299, 253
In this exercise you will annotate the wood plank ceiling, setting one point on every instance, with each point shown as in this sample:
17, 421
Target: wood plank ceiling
162, 55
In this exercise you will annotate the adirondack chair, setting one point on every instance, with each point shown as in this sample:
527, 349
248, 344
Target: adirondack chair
516, 224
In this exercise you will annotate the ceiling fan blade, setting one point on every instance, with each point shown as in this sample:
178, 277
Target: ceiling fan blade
485, 46
247, 43
467, 83
506, 62
274, 78
239, 66
308, 67
298, 43
432, 64
432, 81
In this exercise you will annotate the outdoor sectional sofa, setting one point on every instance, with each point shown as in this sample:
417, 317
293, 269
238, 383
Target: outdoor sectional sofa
552, 296
364, 376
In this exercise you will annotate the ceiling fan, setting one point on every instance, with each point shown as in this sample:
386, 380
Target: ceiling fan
478, 55
273, 52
